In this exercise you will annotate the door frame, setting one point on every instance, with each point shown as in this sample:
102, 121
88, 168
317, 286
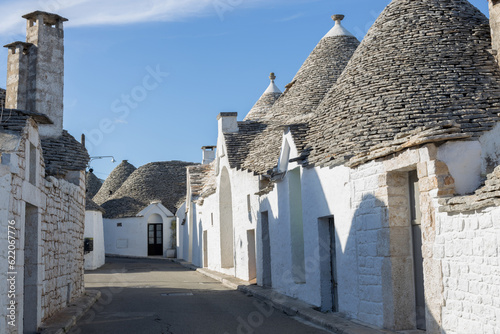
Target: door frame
155, 248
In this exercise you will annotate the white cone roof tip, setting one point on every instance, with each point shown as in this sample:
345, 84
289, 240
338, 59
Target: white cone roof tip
338, 29
272, 86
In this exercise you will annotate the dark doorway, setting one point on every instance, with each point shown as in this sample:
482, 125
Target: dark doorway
266, 250
333, 266
416, 231
328, 261
155, 239
31, 297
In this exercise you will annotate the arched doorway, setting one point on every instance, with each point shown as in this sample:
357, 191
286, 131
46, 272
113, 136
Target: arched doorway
226, 221
155, 235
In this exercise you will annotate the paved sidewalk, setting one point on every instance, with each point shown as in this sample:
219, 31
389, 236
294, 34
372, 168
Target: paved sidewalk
61, 322
291, 306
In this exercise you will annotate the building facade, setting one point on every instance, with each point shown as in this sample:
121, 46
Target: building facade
42, 187
140, 205
369, 187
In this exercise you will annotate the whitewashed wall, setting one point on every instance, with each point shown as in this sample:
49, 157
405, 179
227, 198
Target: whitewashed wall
94, 229
468, 246
243, 184
131, 239
370, 210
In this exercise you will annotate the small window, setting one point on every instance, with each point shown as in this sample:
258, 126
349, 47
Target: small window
212, 218
32, 164
119, 224
249, 204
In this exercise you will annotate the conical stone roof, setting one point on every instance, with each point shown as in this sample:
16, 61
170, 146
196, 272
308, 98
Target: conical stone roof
303, 95
423, 65
265, 102
90, 205
317, 75
114, 181
93, 184
158, 181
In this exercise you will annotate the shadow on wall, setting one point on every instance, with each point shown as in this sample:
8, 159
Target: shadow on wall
366, 267
390, 270
198, 247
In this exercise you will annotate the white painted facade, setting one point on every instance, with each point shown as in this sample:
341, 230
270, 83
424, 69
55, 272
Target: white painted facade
94, 229
129, 236
369, 207
410, 248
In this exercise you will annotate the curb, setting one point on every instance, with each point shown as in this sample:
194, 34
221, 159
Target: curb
62, 322
290, 306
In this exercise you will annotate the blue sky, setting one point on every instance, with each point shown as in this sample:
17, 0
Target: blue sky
145, 80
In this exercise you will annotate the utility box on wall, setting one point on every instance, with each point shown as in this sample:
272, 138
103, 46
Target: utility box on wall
88, 245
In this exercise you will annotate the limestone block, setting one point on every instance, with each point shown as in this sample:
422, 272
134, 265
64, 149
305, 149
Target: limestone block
422, 169
428, 152
428, 183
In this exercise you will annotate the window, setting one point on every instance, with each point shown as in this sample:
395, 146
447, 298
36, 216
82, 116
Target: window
32, 164
249, 204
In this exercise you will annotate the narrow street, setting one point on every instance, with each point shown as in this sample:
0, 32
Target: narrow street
157, 296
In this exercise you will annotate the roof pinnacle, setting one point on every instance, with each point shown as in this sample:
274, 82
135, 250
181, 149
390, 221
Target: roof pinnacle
338, 17
338, 29
272, 77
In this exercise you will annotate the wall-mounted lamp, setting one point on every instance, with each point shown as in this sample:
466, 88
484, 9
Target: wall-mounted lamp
100, 157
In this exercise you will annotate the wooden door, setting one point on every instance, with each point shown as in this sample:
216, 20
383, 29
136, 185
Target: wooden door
155, 239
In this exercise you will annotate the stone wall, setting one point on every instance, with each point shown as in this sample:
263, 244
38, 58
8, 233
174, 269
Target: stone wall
370, 230
55, 234
62, 243
467, 244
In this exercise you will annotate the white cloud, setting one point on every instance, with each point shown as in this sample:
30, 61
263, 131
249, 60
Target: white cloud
290, 18
113, 12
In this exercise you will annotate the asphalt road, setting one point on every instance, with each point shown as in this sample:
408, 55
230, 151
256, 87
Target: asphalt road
158, 296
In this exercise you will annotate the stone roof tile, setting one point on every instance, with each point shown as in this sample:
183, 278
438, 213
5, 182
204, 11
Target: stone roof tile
15, 120
238, 144
90, 205
298, 103
202, 181
157, 181
421, 65
486, 196
93, 184
265, 102
63, 154
114, 181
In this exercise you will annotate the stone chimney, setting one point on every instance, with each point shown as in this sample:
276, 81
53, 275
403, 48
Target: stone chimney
17, 75
35, 73
495, 24
228, 122
208, 154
